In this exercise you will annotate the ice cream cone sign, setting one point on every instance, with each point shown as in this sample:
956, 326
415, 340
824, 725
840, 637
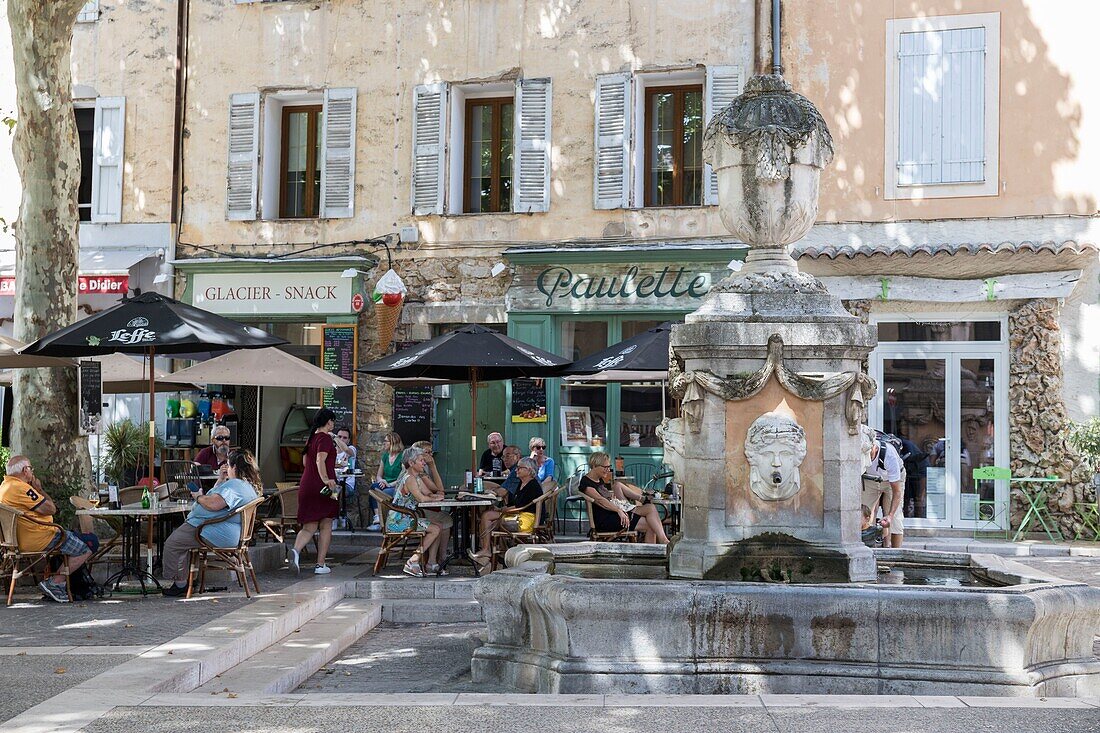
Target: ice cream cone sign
388, 297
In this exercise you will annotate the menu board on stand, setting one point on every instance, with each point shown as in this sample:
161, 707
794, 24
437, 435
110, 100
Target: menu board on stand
339, 355
90, 410
412, 409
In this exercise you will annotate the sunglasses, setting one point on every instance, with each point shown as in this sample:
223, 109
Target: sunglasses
221, 437
539, 447
604, 465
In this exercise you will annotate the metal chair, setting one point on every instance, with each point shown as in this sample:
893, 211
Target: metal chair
1089, 515
501, 537
573, 498
391, 539
235, 559
19, 562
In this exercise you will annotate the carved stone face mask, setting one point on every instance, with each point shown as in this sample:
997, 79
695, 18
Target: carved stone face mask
775, 447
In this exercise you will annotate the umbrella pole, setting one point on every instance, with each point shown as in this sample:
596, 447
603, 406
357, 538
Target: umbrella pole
473, 419
259, 415
152, 412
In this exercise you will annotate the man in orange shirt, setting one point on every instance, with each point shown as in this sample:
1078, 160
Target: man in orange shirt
20, 489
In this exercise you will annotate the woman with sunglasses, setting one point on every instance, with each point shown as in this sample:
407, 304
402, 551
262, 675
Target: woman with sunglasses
542, 459
615, 504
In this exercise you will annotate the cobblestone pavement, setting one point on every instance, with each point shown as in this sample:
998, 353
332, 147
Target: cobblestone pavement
410, 658
550, 718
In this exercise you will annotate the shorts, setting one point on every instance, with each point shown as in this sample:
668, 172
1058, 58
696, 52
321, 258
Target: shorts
68, 544
897, 522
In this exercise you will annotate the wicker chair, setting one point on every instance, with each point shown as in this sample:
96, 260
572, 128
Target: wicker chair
501, 538
621, 535
235, 559
545, 530
280, 525
130, 495
391, 539
12, 559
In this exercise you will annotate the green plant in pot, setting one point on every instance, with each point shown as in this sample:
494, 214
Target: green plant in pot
127, 449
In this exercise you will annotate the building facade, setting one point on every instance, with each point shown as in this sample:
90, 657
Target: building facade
537, 168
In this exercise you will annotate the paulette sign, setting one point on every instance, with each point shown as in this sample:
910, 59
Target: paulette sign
254, 293
597, 287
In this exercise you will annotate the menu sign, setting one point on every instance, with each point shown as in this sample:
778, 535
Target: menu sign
91, 396
528, 400
339, 351
412, 413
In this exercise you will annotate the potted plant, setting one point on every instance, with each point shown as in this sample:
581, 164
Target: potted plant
127, 448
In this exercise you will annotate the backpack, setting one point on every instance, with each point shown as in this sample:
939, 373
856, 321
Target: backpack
885, 439
83, 585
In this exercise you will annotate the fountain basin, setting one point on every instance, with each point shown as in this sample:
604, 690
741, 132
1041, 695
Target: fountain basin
553, 628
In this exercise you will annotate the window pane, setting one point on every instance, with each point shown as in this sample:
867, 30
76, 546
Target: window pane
481, 158
640, 414
85, 130
940, 331
595, 399
693, 148
300, 157
581, 338
506, 152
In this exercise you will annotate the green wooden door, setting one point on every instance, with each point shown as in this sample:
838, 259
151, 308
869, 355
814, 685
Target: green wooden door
533, 330
453, 421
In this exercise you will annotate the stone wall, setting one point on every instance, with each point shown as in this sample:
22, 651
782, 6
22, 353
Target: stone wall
1038, 423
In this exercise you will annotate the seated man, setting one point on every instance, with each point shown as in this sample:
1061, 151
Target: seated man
345, 449
510, 485
216, 454
492, 460
20, 489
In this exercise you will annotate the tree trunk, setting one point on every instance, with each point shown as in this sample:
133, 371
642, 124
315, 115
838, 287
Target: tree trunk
47, 156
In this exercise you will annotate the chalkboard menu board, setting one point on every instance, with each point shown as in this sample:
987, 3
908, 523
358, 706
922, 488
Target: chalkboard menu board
339, 351
528, 400
91, 397
412, 413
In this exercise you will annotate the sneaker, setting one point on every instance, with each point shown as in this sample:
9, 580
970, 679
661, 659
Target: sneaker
413, 569
174, 591
54, 591
374, 527
293, 560
322, 570
435, 570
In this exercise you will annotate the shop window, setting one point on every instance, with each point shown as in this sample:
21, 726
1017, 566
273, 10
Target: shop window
85, 130
489, 155
299, 171
642, 405
674, 146
939, 331
578, 340
942, 89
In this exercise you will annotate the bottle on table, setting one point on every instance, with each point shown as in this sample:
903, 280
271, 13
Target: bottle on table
145, 498
469, 480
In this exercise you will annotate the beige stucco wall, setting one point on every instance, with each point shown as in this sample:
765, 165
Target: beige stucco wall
834, 53
386, 49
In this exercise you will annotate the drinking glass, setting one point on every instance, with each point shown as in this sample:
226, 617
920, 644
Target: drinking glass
93, 498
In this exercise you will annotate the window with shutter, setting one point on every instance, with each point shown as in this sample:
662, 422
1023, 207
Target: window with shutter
674, 146
107, 152
85, 131
338, 150
723, 86
489, 156
942, 88
89, 13
613, 141
429, 148
531, 188
243, 145
299, 163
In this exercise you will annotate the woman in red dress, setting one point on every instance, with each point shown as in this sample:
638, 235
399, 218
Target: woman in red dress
316, 511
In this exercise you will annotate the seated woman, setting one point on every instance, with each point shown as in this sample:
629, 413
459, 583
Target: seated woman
413, 487
241, 486
543, 461
529, 490
389, 471
612, 500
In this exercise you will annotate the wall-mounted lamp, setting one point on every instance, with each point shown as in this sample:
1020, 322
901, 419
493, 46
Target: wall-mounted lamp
352, 272
164, 274
498, 268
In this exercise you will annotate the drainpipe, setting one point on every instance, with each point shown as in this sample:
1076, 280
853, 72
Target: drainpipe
183, 18
777, 37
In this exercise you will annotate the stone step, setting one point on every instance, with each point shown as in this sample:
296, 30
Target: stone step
407, 588
288, 662
431, 610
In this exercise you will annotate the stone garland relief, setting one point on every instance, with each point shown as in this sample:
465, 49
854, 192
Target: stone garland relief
775, 447
1038, 435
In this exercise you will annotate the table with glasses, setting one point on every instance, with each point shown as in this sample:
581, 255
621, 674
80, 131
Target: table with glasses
464, 512
160, 522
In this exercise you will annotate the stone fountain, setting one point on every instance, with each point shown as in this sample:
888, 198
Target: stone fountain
768, 588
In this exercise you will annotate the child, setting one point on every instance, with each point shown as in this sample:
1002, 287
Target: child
870, 532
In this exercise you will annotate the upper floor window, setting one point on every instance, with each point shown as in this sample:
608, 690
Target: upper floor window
89, 13
85, 131
942, 94
481, 148
489, 155
649, 133
674, 146
291, 155
101, 131
300, 170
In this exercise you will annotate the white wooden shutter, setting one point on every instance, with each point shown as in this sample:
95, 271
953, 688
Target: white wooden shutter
107, 156
941, 107
723, 86
338, 154
429, 148
531, 161
244, 139
613, 137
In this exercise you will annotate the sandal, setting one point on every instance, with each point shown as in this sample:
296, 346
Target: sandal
413, 569
435, 570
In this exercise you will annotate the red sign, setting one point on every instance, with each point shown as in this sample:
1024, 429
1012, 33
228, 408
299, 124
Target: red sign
357, 302
86, 285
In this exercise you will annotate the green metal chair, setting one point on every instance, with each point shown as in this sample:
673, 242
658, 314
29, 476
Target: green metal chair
993, 514
1089, 514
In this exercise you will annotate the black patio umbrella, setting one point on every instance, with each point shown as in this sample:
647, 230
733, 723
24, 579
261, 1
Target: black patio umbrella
468, 354
641, 358
151, 324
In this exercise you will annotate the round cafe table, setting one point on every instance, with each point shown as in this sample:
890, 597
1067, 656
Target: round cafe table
464, 512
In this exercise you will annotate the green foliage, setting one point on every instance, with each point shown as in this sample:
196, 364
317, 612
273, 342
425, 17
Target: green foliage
1085, 437
127, 447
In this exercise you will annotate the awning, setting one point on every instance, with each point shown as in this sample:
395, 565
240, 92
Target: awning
95, 261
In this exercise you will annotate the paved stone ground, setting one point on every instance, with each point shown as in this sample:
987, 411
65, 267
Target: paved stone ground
412, 658
568, 719
28, 680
